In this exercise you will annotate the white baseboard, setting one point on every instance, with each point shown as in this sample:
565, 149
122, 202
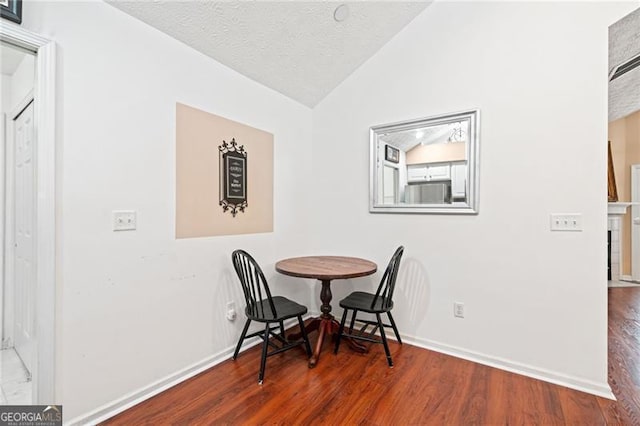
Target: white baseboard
136, 397
588, 386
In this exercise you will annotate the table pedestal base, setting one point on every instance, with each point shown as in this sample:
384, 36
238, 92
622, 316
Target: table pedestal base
327, 325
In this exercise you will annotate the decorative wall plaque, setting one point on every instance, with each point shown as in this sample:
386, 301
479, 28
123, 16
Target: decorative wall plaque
233, 177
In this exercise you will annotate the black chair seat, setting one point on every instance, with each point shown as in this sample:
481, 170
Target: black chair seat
363, 301
285, 309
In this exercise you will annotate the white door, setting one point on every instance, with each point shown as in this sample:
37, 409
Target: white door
24, 258
635, 222
390, 185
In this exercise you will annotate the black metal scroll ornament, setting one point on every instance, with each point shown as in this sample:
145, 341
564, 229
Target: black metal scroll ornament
233, 177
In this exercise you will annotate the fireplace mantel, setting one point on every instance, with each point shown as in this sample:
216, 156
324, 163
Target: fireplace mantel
615, 226
618, 208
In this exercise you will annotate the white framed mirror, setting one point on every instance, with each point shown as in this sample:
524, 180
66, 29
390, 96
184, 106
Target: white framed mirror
428, 165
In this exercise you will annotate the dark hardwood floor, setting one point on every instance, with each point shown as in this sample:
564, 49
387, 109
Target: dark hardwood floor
624, 356
424, 387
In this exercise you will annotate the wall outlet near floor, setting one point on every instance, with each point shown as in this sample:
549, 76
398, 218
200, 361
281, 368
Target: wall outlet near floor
458, 310
231, 311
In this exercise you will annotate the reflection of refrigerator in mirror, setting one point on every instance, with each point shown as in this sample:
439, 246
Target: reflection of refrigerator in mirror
429, 193
390, 185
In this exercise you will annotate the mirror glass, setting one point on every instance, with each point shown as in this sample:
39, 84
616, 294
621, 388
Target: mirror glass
429, 165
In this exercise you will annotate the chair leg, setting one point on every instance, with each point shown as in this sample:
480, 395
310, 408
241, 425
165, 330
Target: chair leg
384, 341
282, 330
353, 321
244, 333
395, 329
263, 360
340, 331
307, 346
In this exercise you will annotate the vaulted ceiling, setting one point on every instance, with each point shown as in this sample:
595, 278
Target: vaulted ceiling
300, 49
624, 44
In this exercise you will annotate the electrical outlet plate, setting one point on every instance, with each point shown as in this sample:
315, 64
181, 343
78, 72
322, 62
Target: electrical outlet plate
571, 222
124, 220
458, 310
231, 311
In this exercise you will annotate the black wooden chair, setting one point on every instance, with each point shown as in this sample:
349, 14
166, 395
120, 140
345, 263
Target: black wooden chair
379, 303
264, 308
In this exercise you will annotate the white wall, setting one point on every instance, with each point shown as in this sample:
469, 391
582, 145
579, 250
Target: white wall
535, 301
15, 87
5, 92
135, 307
22, 80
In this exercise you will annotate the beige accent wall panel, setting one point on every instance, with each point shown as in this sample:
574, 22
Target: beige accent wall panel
198, 212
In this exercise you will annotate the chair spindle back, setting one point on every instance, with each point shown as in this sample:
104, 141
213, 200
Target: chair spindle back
388, 281
254, 284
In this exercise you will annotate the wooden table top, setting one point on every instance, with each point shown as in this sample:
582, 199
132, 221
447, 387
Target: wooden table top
326, 267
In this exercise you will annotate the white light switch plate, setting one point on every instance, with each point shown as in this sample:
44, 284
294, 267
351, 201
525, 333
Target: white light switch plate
566, 222
124, 220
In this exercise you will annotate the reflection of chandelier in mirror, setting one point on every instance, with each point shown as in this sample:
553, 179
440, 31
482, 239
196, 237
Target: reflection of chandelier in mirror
458, 134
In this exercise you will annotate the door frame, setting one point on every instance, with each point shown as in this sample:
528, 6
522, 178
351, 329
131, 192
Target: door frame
44, 119
635, 212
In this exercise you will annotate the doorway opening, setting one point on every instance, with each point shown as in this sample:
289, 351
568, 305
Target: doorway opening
17, 354
624, 136
27, 192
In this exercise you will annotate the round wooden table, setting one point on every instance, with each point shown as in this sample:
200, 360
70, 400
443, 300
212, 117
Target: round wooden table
325, 269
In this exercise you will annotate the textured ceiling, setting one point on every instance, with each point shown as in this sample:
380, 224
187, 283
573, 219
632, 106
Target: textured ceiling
296, 48
624, 44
